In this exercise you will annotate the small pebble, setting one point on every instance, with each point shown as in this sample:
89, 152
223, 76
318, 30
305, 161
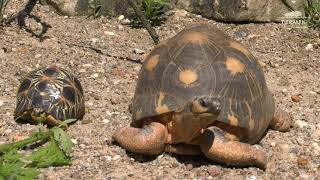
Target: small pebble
109, 33
284, 91
189, 167
262, 64
181, 13
74, 141
125, 21
312, 92
301, 124
138, 51
296, 98
120, 27
82, 146
251, 178
95, 75
1, 103
309, 47
116, 157
121, 17
87, 65
94, 40
302, 161
108, 158
106, 121
37, 56
214, 170
45, 8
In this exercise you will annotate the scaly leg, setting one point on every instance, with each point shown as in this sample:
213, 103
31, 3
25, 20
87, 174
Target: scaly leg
216, 147
280, 121
148, 140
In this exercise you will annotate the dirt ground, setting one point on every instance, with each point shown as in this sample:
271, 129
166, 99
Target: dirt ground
105, 56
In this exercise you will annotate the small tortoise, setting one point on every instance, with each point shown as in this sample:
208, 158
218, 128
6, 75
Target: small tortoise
51, 95
201, 92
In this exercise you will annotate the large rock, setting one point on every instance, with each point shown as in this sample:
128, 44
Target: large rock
68, 7
243, 10
222, 10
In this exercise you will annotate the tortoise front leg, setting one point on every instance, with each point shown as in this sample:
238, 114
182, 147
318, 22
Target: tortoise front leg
147, 140
216, 147
280, 121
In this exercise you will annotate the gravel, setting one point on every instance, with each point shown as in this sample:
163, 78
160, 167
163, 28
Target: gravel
102, 62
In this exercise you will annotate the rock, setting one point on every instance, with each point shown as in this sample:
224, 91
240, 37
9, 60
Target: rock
138, 51
214, 170
296, 98
116, 157
309, 47
242, 33
262, 64
1, 103
109, 33
241, 10
284, 91
251, 178
106, 121
301, 124
189, 167
74, 141
120, 27
302, 161
181, 13
125, 22
121, 17
68, 7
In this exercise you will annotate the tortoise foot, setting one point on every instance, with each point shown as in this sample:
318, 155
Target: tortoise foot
280, 121
216, 147
148, 140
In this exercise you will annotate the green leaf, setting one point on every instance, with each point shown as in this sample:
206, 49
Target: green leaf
27, 174
7, 169
63, 140
11, 156
50, 155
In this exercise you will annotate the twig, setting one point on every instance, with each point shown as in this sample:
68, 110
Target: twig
99, 51
144, 21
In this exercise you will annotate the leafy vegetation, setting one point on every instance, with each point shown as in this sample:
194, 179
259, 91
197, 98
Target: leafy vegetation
95, 7
312, 9
153, 10
3, 5
19, 166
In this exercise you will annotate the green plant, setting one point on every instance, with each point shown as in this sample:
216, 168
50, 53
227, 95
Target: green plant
95, 7
153, 10
312, 9
3, 5
18, 166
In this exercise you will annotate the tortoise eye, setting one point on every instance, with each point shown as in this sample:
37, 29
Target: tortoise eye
24, 85
69, 94
203, 103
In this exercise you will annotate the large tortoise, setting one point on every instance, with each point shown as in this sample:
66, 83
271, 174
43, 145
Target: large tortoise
201, 92
50, 95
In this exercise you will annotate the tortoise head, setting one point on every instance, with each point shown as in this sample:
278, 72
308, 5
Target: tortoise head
201, 111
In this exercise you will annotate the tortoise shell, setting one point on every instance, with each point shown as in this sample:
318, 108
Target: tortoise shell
52, 90
199, 61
